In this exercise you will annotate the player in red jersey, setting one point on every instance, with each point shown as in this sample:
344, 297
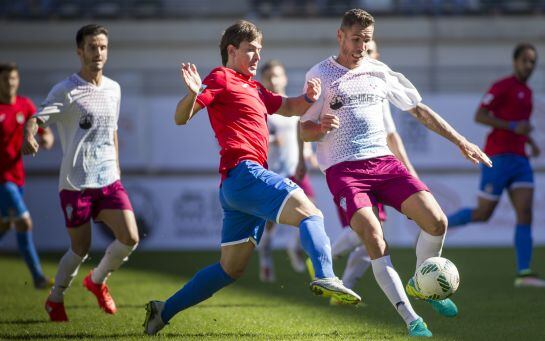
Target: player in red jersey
506, 108
250, 194
15, 110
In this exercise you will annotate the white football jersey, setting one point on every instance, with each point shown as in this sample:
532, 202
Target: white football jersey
357, 97
389, 125
86, 116
283, 158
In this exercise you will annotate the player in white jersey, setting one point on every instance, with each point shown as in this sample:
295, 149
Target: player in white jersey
85, 108
349, 243
286, 158
360, 169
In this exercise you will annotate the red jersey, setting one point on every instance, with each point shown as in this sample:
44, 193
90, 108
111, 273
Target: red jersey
12, 122
238, 107
511, 100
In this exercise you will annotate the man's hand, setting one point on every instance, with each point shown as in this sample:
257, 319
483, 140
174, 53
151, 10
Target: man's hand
473, 153
314, 89
328, 122
523, 128
30, 146
191, 77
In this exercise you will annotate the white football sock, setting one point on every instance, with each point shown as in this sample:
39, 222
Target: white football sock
357, 264
389, 281
428, 246
67, 270
116, 254
348, 240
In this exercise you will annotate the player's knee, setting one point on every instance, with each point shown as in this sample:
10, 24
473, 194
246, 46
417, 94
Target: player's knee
80, 249
130, 239
439, 225
23, 224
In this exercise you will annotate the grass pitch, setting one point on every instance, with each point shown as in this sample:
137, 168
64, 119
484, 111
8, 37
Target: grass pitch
490, 307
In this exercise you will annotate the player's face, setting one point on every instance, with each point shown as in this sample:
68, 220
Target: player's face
246, 57
9, 83
275, 79
353, 44
524, 65
94, 52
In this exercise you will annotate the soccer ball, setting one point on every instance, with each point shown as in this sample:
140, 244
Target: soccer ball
437, 278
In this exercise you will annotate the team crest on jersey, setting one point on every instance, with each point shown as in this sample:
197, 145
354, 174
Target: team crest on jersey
342, 203
336, 103
2, 117
86, 122
69, 211
20, 117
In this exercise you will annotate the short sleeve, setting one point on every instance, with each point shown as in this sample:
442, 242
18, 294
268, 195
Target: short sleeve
389, 125
272, 100
212, 86
51, 109
400, 91
491, 100
313, 113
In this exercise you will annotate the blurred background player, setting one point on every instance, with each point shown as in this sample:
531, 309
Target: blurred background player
348, 242
15, 111
360, 168
85, 107
287, 158
506, 108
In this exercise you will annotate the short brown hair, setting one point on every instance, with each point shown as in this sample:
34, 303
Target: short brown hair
357, 16
521, 47
8, 67
89, 30
235, 34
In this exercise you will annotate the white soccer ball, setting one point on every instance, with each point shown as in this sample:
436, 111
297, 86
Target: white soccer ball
437, 278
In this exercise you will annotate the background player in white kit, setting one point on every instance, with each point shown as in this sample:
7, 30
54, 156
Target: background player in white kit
360, 169
287, 157
85, 107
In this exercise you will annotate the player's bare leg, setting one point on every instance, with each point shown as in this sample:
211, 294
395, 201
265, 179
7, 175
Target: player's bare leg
266, 263
522, 199
428, 215
80, 241
368, 227
123, 225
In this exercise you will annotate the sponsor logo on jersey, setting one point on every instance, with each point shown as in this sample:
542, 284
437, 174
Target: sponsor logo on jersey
86, 122
20, 117
336, 103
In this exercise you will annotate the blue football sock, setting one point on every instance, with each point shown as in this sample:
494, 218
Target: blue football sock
316, 244
202, 286
27, 249
460, 218
523, 246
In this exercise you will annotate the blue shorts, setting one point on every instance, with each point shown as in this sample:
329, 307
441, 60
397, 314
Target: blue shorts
12, 204
509, 171
249, 196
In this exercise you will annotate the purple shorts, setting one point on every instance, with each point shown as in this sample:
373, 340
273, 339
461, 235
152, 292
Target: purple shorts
365, 183
305, 185
79, 206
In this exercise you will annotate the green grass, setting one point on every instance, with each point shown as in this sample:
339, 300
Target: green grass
491, 308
